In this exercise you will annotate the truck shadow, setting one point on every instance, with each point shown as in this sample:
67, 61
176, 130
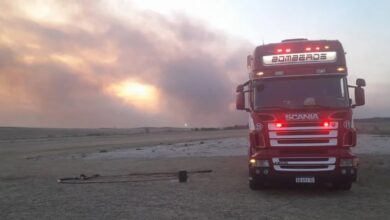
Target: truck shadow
303, 189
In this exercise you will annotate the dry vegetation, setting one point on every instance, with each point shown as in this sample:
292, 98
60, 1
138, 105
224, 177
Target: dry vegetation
379, 126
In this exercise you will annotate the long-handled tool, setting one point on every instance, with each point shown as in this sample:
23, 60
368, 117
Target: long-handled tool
181, 175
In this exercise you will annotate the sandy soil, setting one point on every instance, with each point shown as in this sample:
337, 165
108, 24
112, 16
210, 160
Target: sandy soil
29, 168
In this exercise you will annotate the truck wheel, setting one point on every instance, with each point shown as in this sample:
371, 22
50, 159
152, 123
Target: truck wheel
343, 185
256, 185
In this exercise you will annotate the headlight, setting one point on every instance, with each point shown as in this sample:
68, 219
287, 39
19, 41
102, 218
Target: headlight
346, 162
262, 163
259, 163
352, 162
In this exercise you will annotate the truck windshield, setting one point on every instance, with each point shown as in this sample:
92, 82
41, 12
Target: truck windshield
301, 92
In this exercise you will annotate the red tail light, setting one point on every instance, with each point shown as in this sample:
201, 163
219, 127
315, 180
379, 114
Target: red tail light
308, 49
278, 125
326, 124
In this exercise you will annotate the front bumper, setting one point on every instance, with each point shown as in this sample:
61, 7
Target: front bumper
267, 175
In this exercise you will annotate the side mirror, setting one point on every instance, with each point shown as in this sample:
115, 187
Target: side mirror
360, 82
359, 96
240, 101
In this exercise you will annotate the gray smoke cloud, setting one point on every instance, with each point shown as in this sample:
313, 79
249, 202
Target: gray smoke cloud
55, 74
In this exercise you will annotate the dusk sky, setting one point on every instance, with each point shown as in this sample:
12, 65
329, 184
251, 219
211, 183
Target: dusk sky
167, 63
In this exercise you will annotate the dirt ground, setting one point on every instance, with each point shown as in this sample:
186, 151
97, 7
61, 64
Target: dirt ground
30, 167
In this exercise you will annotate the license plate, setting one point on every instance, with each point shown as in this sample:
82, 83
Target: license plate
305, 180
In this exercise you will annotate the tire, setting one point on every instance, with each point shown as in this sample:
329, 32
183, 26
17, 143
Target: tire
343, 186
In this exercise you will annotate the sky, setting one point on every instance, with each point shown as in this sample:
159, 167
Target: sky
167, 63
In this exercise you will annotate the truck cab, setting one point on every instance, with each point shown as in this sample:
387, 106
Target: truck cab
300, 114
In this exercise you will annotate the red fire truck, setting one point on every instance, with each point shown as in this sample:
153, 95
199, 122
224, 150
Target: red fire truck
300, 114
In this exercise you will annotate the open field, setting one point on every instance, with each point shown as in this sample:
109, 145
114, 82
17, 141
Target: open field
29, 167
380, 126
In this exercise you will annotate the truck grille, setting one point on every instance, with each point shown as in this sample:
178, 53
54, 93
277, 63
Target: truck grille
303, 135
298, 164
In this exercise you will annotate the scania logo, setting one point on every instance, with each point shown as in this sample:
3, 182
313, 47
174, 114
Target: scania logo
302, 117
